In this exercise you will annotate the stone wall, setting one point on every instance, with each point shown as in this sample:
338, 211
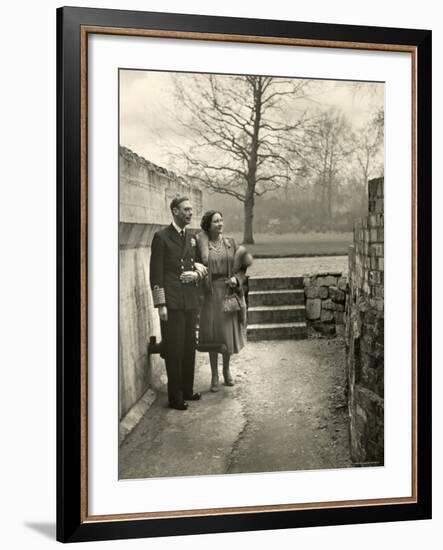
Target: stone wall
365, 332
145, 193
325, 295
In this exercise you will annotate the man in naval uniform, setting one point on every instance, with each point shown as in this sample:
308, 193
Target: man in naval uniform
175, 271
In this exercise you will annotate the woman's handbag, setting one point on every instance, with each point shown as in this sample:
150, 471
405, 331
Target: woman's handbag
231, 303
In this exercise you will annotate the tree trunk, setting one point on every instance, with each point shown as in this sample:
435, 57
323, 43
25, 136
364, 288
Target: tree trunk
329, 204
324, 206
248, 235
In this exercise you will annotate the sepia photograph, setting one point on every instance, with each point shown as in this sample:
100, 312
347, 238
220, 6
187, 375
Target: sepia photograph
251, 274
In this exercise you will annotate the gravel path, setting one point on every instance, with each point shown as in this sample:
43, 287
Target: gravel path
287, 411
295, 407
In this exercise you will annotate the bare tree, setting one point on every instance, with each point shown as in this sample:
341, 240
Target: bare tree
370, 137
368, 154
239, 132
328, 147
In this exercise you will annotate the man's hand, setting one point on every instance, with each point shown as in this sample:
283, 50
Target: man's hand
163, 313
189, 277
201, 269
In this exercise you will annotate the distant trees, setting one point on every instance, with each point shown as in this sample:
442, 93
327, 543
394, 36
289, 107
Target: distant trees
246, 135
368, 149
328, 147
367, 160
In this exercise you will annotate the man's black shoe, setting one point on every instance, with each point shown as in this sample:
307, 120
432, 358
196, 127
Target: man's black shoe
178, 406
194, 397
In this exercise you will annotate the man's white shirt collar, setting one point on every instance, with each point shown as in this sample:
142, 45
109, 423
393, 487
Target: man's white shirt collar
178, 229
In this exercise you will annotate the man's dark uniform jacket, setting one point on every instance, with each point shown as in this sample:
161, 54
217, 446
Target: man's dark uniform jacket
172, 254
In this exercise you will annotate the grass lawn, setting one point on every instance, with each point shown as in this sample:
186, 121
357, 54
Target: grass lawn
298, 244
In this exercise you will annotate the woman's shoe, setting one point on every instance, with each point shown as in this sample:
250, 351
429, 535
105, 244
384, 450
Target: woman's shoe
214, 385
228, 378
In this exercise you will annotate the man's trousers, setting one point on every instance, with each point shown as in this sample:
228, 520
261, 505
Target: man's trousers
178, 338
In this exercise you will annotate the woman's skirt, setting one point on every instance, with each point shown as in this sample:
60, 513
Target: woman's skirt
218, 327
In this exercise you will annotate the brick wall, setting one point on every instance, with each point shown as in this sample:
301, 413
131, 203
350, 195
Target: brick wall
365, 332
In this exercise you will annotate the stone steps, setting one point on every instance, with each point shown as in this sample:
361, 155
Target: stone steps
276, 309
276, 297
277, 331
275, 283
276, 314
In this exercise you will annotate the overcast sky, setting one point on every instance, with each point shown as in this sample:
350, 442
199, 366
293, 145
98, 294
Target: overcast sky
148, 111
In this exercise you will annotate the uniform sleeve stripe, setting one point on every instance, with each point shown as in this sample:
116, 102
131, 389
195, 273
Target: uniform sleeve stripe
158, 295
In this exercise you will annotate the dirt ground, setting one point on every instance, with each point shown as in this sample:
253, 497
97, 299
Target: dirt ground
287, 411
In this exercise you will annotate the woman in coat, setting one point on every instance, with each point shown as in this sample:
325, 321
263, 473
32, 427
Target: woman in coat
225, 277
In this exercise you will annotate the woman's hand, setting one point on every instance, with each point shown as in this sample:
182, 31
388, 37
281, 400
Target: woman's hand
201, 269
232, 282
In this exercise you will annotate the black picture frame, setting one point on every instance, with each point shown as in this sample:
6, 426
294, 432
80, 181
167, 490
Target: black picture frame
73, 523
